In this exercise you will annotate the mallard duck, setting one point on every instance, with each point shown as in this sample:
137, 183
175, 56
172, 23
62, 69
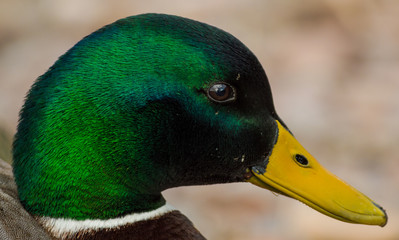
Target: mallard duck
147, 103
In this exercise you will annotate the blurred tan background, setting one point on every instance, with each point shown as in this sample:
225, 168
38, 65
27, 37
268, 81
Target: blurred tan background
333, 68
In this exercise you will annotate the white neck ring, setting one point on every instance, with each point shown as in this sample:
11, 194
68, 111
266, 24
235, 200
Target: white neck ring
61, 226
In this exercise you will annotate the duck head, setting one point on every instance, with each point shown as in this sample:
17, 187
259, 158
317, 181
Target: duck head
152, 102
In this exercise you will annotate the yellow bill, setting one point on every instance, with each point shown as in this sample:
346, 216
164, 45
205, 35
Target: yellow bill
293, 172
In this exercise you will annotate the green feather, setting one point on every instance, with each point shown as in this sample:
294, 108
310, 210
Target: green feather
124, 115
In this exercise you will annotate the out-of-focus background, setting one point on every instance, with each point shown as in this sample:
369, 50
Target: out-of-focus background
334, 71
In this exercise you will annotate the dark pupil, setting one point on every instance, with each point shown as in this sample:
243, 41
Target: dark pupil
221, 92
219, 89
301, 159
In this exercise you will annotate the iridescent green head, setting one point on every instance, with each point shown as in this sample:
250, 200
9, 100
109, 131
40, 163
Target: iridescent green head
152, 102
147, 103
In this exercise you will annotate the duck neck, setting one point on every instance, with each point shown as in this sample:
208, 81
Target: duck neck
78, 196
101, 205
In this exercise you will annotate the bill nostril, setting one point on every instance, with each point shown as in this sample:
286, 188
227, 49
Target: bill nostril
302, 160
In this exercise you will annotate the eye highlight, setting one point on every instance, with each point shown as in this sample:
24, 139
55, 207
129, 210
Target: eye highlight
221, 92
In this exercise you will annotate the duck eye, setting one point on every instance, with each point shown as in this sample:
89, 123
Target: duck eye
221, 92
301, 160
